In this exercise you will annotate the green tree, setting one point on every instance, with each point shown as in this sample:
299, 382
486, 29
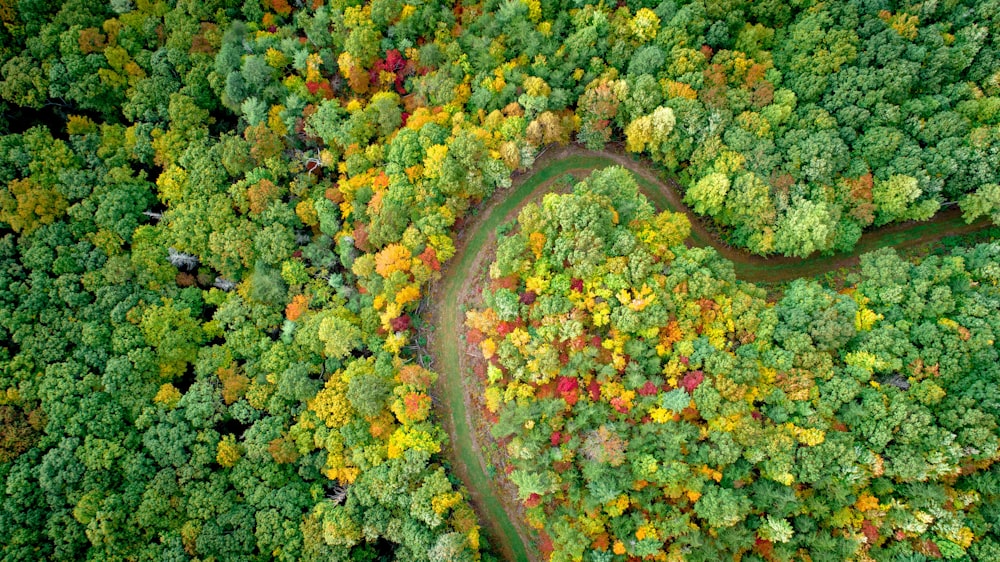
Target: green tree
369, 393
708, 194
175, 334
722, 507
893, 197
339, 335
805, 228
984, 202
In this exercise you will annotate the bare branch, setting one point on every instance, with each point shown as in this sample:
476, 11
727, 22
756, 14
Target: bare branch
224, 284
338, 494
181, 260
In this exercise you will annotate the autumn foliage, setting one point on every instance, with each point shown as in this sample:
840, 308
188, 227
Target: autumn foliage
650, 406
219, 222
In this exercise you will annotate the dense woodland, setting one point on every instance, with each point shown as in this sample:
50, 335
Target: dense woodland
218, 220
652, 406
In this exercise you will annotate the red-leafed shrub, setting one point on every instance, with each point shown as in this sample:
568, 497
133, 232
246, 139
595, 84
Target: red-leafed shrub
594, 389
692, 380
400, 323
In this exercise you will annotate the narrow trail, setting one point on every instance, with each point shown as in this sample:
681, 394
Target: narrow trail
493, 497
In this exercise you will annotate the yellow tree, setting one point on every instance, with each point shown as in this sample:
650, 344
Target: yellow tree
25, 205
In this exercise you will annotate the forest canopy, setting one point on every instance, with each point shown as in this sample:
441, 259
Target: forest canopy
650, 405
219, 220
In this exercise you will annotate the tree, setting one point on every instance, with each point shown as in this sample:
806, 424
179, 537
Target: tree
274, 244
368, 393
645, 24
808, 309
120, 209
339, 525
339, 335
805, 228
175, 335
709, 194
722, 507
391, 220
893, 197
25, 205
450, 546
362, 44
984, 202
597, 108
24, 83
386, 112
393, 257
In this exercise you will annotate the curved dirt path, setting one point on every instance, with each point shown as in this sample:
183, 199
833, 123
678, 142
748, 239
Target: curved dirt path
665, 194
492, 495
